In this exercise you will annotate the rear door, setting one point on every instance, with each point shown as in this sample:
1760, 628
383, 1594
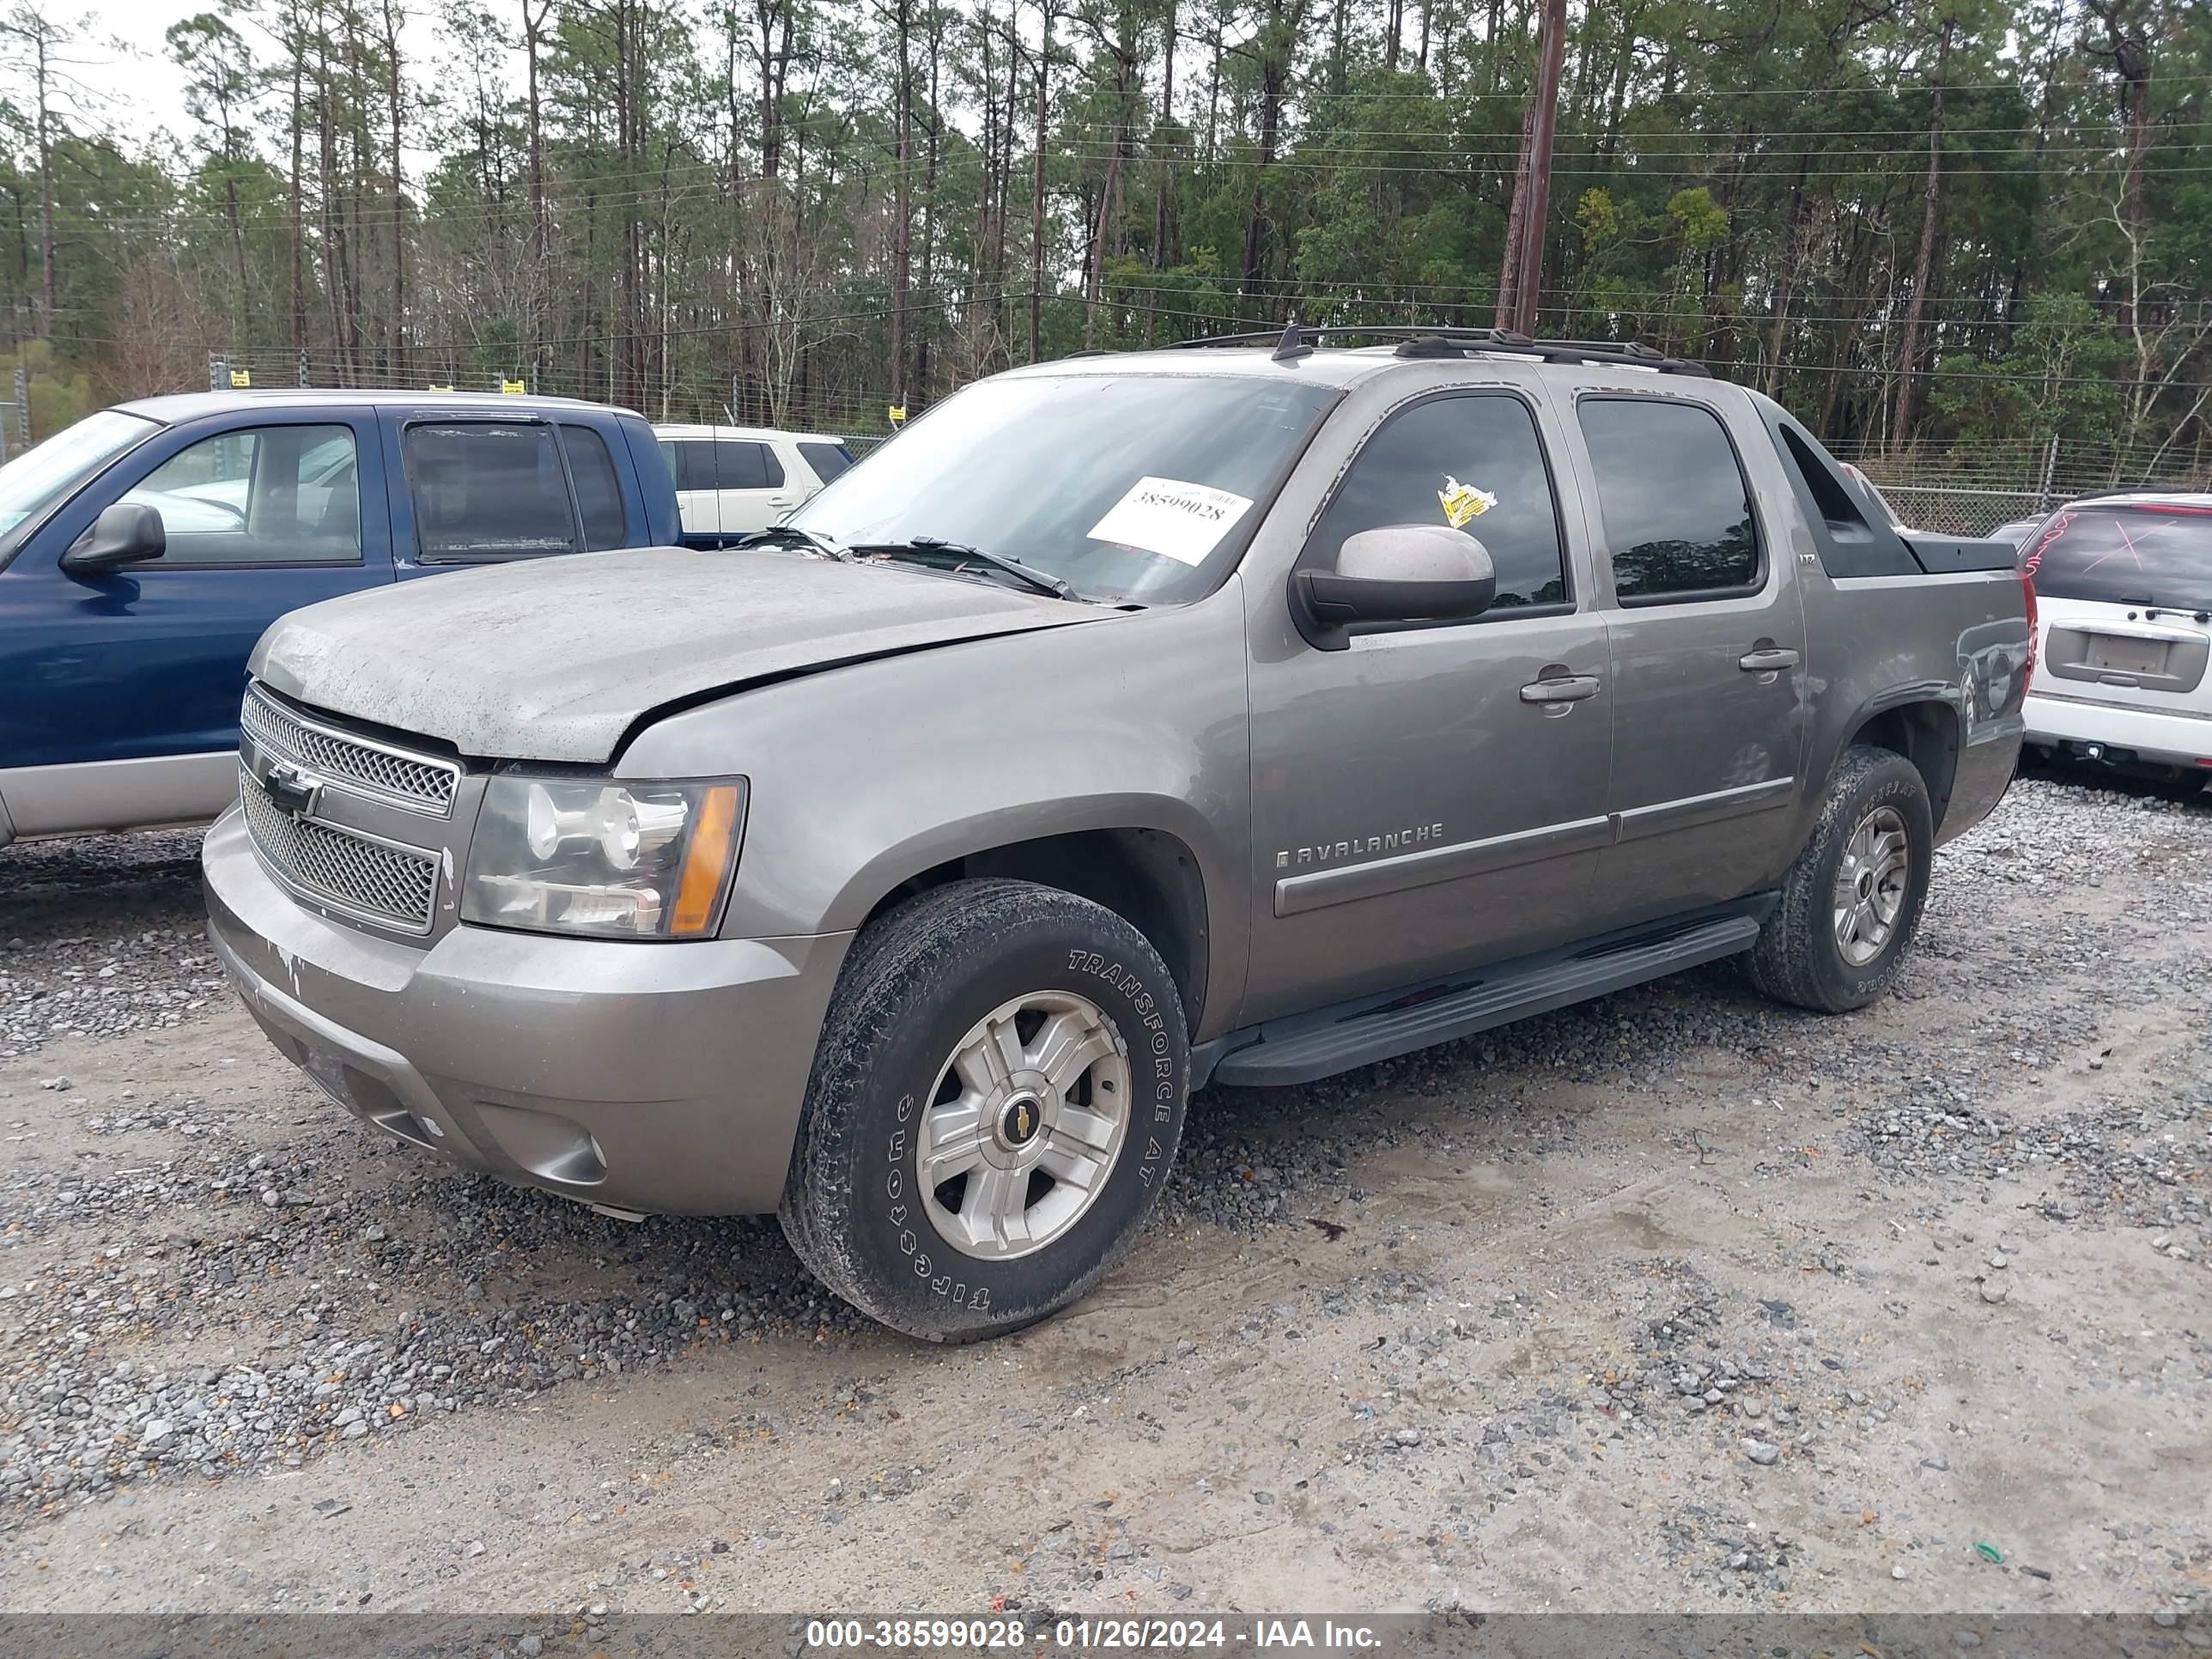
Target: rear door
752, 486
2125, 597
263, 514
480, 489
1707, 641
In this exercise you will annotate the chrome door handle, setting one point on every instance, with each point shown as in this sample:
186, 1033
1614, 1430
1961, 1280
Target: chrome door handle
1568, 688
1767, 659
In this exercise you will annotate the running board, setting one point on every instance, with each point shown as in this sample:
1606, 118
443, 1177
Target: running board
1310, 1045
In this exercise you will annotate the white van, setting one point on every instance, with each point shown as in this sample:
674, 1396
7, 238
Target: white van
733, 480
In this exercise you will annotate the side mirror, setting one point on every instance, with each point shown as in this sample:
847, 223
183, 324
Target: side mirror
128, 532
1396, 573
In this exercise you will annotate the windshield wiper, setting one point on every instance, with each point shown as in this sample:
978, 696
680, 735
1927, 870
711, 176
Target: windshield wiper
930, 547
787, 535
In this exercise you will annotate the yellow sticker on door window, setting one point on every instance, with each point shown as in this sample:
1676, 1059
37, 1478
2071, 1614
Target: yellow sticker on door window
1463, 503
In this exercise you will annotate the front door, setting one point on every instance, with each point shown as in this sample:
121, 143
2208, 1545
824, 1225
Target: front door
1707, 642
146, 663
1431, 797
698, 503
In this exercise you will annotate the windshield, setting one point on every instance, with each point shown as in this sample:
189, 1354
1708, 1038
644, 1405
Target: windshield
1132, 487
44, 474
2142, 556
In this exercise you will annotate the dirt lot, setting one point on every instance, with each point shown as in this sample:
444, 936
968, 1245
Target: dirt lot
1674, 1300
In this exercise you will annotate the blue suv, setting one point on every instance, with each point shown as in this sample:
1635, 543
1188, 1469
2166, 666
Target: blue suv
144, 550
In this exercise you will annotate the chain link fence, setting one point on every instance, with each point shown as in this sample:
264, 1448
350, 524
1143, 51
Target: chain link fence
1971, 488
856, 413
1957, 510
1965, 488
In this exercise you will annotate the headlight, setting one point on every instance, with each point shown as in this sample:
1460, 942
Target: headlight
575, 855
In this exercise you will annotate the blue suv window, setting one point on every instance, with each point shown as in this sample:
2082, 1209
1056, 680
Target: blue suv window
269, 495
598, 488
488, 489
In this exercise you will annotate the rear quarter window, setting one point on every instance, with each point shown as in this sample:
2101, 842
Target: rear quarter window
598, 487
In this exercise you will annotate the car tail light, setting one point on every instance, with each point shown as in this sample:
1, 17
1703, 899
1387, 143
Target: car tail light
2027, 588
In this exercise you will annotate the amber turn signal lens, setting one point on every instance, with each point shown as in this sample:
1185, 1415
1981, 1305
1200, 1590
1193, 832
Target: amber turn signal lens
706, 863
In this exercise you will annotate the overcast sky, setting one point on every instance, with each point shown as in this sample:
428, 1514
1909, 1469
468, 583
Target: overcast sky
145, 90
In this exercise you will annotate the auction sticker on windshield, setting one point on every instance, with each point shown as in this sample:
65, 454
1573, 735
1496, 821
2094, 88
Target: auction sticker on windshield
1176, 520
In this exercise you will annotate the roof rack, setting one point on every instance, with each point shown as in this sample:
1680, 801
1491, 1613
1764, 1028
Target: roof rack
1433, 341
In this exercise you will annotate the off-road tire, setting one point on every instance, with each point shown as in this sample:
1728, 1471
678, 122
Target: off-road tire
1797, 959
918, 979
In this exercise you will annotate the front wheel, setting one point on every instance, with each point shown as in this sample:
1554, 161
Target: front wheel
1851, 901
995, 1103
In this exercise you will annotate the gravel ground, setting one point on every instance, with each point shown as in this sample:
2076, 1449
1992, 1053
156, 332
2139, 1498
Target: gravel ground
100, 938
1564, 1307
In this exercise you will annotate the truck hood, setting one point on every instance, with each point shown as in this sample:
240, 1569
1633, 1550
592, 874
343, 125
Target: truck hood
558, 659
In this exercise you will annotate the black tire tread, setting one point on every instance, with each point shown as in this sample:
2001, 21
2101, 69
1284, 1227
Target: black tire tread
1787, 960
923, 936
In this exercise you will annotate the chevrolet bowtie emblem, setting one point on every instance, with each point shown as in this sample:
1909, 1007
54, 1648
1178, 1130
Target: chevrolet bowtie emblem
1022, 1122
293, 791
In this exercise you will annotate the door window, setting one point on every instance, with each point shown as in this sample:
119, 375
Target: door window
1470, 461
1678, 514
722, 464
269, 495
488, 490
690, 462
598, 488
740, 465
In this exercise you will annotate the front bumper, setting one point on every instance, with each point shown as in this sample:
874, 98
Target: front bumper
2119, 732
643, 1077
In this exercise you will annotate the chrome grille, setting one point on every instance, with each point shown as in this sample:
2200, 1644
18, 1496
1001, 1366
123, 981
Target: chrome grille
421, 783
392, 886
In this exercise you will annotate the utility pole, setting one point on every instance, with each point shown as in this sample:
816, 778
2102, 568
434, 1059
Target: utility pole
1931, 197
1036, 183
1521, 279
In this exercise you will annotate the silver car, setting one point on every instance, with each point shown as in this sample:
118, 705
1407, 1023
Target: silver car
1243, 713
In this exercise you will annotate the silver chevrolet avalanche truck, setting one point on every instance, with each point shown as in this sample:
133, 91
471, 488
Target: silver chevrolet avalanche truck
1244, 712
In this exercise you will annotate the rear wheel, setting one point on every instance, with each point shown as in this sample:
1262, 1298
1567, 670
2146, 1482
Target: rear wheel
1851, 901
997, 1098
